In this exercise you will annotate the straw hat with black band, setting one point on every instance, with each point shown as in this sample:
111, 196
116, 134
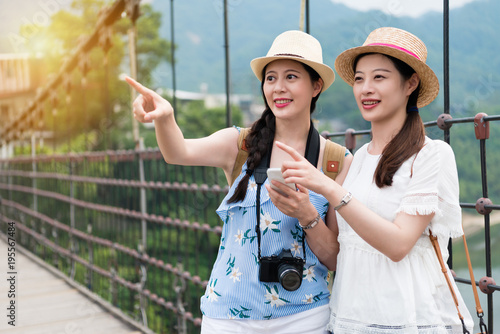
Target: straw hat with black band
399, 44
298, 46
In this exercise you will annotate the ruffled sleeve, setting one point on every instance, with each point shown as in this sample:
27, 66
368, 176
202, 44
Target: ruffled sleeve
224, 209
433, 188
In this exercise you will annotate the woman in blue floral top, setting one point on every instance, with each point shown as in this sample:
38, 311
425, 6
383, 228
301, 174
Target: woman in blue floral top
243, 294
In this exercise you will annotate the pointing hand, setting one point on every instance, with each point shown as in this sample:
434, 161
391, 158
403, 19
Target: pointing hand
149, 105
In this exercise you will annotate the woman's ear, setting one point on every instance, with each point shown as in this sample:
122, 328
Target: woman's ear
318, 86
412, 83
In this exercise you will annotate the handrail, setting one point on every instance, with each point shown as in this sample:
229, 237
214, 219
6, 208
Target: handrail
131, 227
103, 244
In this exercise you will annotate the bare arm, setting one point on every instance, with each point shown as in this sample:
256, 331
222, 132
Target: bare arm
217, 150
394, 239
345, 168
321, 239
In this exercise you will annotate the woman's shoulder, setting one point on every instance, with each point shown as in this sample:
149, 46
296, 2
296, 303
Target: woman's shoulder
436, 148
435, 155
331, 145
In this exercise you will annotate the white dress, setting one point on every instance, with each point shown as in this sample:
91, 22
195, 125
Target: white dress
373, 294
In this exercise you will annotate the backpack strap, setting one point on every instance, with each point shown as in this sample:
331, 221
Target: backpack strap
333, 159
241, 157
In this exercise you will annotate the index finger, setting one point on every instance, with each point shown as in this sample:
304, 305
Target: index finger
290, 150
137, 86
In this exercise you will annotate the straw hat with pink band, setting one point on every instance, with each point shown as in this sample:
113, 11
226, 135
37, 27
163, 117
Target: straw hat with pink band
399, 44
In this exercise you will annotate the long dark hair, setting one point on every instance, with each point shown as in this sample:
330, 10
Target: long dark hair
261, 134
409, 140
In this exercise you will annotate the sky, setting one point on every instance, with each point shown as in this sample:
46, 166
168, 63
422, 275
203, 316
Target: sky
402, 7
36, 13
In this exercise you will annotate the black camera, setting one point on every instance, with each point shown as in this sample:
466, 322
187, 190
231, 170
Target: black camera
283, 268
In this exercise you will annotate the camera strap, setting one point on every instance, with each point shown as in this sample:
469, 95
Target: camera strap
260, 175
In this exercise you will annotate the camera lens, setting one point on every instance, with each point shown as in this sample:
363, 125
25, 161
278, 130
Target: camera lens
289, 277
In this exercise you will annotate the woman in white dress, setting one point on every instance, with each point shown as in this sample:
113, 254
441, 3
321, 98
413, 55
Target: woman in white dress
400, 187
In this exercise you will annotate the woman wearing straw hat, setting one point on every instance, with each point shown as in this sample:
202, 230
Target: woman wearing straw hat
400, 187
241, 298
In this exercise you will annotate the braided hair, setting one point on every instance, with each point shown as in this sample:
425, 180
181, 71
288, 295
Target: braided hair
261, 135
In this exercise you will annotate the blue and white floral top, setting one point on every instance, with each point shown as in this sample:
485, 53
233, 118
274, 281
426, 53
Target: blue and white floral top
234, 290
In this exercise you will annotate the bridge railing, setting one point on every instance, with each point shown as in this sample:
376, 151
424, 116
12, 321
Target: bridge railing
483, 206
143, 234
138, 232
82, 214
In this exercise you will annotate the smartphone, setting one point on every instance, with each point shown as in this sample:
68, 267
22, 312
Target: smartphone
275, 174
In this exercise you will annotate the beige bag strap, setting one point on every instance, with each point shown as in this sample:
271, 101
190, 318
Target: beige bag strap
241, 157
479, 310
333, 159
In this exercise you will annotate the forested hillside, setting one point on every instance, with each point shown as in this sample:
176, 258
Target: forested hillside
474, 61
474, 53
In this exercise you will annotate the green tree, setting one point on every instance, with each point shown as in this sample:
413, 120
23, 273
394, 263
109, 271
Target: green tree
195, 121
94, 112
151, 48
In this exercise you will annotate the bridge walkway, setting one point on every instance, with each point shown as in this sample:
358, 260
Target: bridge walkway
46, 302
